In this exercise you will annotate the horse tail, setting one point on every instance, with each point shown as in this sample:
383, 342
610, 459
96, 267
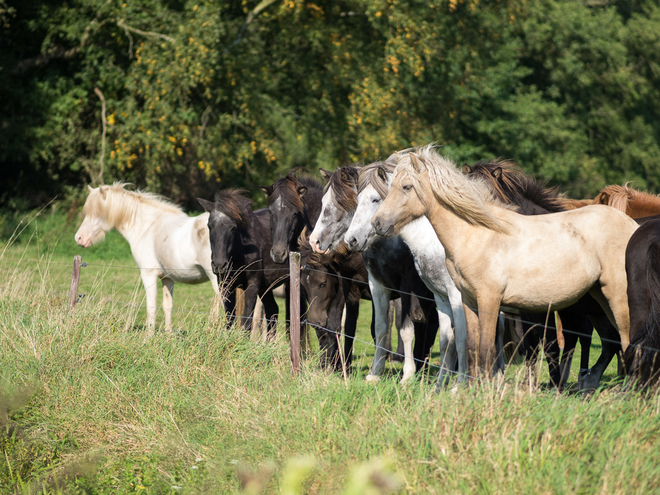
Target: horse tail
642, 356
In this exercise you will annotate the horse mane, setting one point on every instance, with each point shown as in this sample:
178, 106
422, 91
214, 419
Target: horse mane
122, 205
288, 189
372, 175
321, 259
342, 181
467, 198
235, 205
514, 185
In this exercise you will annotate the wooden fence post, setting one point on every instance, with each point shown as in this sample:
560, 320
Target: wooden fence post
75, 278
294, 310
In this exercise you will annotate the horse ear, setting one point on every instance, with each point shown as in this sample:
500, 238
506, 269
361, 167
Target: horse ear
381, 174
301, 191
325, 174
497, 173
467, 170
267, 189
103, 190
90, 188
417, 164
207, 205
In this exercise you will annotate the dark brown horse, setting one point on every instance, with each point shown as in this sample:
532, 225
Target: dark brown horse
330, 282
293, 205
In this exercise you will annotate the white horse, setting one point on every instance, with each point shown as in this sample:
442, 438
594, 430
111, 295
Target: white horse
166, 243
429, 256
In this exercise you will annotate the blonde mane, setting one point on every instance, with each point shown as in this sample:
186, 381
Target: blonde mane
118, 206
467, 198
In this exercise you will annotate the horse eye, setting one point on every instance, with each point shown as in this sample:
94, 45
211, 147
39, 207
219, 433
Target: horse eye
407, 187
375, 200
322, 284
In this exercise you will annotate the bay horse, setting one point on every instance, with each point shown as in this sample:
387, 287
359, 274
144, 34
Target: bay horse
332, 281
498, 257
511, 185
240, 243
642, 357
166, 243
429, 263
635, 204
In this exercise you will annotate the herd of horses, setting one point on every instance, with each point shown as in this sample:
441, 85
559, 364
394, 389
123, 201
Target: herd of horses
455, 245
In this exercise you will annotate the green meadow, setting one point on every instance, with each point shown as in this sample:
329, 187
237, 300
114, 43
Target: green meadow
89, 404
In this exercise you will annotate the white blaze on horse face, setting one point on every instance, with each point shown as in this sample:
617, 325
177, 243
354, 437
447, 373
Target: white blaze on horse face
328, 228
360, 233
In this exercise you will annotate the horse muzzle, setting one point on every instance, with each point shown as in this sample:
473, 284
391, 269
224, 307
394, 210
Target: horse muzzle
278, 255
382, 228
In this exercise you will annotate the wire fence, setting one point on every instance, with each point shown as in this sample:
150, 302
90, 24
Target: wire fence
506, 316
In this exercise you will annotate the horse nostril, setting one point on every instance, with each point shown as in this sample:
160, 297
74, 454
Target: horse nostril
352, 241
377, 224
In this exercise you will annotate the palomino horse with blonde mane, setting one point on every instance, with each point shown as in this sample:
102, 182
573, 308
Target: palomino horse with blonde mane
499, 257
166, 243
635, 204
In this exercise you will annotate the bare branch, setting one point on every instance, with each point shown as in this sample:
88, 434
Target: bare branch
100, 95
255, 12
126, 27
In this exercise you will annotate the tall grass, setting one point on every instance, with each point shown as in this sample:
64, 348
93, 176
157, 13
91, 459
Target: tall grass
90, 405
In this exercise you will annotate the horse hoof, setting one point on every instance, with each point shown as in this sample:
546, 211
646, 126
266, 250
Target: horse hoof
372, 378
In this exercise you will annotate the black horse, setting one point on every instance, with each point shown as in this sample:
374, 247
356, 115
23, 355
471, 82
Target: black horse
240, 243
642, 357
512, 186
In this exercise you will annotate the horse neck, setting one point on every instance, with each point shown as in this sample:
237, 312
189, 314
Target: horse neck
643, 207
452, 230
312, 203
140, 219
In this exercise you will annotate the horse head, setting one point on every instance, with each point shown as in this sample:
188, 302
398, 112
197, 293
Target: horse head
287, 218
373, 188
408, 184
96, 223
227, 223
337, 207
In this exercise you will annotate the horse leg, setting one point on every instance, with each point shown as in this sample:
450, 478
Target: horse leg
460, 331
398, 324
407, 335
168, 294
250, 296
609, 337
350, 325
149, 281
571, 324
230, 307
472, 341
489, 311
380, 300
445, 339
614, 300
271, 311
498, 365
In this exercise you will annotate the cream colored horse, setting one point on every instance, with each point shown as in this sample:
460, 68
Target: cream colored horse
499, 257
166, 243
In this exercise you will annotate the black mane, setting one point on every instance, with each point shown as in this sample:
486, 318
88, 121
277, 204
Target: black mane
235, 205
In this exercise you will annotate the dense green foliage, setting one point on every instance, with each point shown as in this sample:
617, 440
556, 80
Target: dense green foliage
209, 93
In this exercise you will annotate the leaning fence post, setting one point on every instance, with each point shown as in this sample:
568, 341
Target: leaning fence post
294, 310
75, 278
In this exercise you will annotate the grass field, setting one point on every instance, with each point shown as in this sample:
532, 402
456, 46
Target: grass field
89, 405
